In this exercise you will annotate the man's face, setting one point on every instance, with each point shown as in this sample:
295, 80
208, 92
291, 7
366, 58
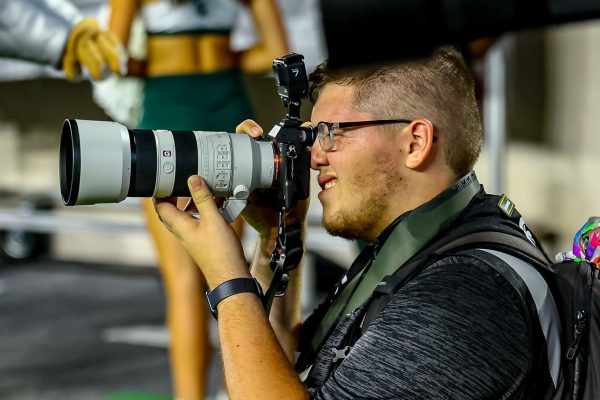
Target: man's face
359, 175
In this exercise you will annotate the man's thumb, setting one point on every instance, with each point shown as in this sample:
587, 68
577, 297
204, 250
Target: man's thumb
201, 195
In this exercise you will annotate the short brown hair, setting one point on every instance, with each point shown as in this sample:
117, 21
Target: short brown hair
439, 88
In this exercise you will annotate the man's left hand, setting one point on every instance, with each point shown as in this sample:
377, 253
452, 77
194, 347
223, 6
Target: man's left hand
210, 240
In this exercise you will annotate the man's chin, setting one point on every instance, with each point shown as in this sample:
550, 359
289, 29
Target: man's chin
335, 228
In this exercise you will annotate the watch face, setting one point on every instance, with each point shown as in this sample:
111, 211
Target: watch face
213, 309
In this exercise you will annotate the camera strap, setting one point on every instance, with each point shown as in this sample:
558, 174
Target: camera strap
286, 257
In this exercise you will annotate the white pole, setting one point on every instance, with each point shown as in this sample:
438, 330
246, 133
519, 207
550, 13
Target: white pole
494, 111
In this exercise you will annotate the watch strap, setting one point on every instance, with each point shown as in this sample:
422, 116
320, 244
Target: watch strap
230, 288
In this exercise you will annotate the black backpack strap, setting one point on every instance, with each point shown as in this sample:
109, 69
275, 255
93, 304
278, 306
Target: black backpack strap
541, 378
501, 241
495, 240
543, 321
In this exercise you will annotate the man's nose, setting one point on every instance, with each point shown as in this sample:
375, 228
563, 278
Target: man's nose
318, 157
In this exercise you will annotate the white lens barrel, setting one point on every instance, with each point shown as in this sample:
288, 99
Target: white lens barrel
104, 162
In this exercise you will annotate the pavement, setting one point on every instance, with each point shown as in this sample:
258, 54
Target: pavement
81, 331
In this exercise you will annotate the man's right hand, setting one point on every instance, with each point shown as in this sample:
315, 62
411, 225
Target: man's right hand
262, 211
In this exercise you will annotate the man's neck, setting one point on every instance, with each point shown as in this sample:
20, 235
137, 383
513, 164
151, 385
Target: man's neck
419, 190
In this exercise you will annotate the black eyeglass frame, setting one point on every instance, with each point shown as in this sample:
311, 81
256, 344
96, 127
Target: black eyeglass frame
331, 126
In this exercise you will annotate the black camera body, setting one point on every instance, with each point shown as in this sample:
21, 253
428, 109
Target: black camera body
293, 140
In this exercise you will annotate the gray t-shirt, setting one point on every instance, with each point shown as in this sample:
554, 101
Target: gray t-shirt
455, 331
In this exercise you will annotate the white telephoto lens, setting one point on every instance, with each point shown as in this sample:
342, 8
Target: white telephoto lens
104, 162
98, 165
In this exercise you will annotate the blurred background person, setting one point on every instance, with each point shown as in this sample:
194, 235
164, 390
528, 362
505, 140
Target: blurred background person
192, 81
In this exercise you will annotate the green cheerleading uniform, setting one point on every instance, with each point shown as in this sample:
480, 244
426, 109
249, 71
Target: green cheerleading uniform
211, 102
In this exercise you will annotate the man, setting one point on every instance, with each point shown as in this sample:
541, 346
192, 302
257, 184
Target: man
457, 329
53, 32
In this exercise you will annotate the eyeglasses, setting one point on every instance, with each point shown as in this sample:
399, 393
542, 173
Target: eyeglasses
326, 130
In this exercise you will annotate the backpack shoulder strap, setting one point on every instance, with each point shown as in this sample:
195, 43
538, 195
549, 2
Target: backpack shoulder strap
533, 287
497, 240
501, 241
536, 300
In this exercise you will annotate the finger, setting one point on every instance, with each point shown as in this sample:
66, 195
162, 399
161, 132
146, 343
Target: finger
90, 56
171, 200
202, 197
173, 218
113, 51
249, 127
69, 67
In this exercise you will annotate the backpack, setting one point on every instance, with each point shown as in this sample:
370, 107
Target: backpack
575, 287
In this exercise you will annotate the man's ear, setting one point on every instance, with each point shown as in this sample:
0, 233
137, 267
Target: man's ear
420, 143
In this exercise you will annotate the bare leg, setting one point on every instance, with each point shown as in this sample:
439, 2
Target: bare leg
187, 314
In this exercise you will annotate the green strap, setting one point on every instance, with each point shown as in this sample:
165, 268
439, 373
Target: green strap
406, 240
333, 315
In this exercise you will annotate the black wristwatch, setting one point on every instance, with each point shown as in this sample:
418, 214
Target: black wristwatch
229, 288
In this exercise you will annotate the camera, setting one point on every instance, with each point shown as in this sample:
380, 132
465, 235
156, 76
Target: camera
104, 162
